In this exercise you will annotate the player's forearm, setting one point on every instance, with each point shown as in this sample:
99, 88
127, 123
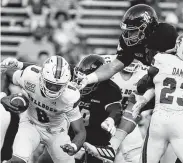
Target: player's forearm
79, 139
114, 111
105, 72
80, 133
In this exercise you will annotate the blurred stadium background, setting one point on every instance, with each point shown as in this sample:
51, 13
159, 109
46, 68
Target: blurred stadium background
92, 25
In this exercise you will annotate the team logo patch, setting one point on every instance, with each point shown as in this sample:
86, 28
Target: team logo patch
95, 101
54, 103
30, 86
139, 55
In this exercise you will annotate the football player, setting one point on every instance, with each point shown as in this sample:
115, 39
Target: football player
142, 37
127, 80
52, 109
100, 105
165, 81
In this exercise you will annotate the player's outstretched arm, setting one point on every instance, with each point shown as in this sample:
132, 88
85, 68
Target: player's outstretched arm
80, 132
105, 72
13, 64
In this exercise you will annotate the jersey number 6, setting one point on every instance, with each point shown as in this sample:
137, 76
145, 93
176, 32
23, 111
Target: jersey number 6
169, 99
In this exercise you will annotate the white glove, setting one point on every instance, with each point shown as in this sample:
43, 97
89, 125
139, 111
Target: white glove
2, 94
109, 126
11, 63
81, 80
141, 102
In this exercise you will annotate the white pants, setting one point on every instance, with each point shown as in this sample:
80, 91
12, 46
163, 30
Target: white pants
165, 127
5, 121
30, 135
130, 149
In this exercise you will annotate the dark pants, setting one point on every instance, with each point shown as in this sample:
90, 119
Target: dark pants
6, 152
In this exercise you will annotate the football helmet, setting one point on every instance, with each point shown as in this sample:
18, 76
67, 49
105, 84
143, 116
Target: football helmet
138, 23
86, 66
179, 46
55, 75
133, 67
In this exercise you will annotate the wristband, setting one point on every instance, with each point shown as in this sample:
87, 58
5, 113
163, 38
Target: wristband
92, 78
74, 146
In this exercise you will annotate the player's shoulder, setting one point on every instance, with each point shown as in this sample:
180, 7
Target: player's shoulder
31, 72
71, 94
110, 87
33, 69
164, 37
163, 58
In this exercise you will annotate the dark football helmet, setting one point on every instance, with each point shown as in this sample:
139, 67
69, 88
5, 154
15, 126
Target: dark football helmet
86, 66
138, 23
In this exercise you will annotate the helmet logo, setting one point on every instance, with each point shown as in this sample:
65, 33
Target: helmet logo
146, 17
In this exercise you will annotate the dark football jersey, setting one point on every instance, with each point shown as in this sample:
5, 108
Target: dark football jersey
162, 39
93, 109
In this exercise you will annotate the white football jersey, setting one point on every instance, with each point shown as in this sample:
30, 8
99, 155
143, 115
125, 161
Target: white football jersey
168, 82
42, 110
130, 85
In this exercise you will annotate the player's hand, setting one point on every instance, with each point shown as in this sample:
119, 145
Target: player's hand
141, 102
109, 126
70, 149
10, 63
81, 80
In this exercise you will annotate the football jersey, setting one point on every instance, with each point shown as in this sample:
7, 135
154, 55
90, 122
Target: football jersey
127, 86
42, 110
162, 39
93, 108
168, 82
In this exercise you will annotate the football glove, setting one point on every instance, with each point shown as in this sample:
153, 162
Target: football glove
141, 102
109, 126
81, 80
11, 63
70, 149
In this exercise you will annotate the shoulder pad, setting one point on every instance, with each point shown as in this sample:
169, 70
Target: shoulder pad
71, 94
157, 60
32, 69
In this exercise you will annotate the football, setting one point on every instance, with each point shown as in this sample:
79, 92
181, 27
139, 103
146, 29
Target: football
16, 103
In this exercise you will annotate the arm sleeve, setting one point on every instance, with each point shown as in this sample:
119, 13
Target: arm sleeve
113, 106
115, 111
146, 81
17, 78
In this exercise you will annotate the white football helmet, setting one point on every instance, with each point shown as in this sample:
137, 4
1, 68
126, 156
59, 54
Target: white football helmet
179, 46
55, 75
133, 67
